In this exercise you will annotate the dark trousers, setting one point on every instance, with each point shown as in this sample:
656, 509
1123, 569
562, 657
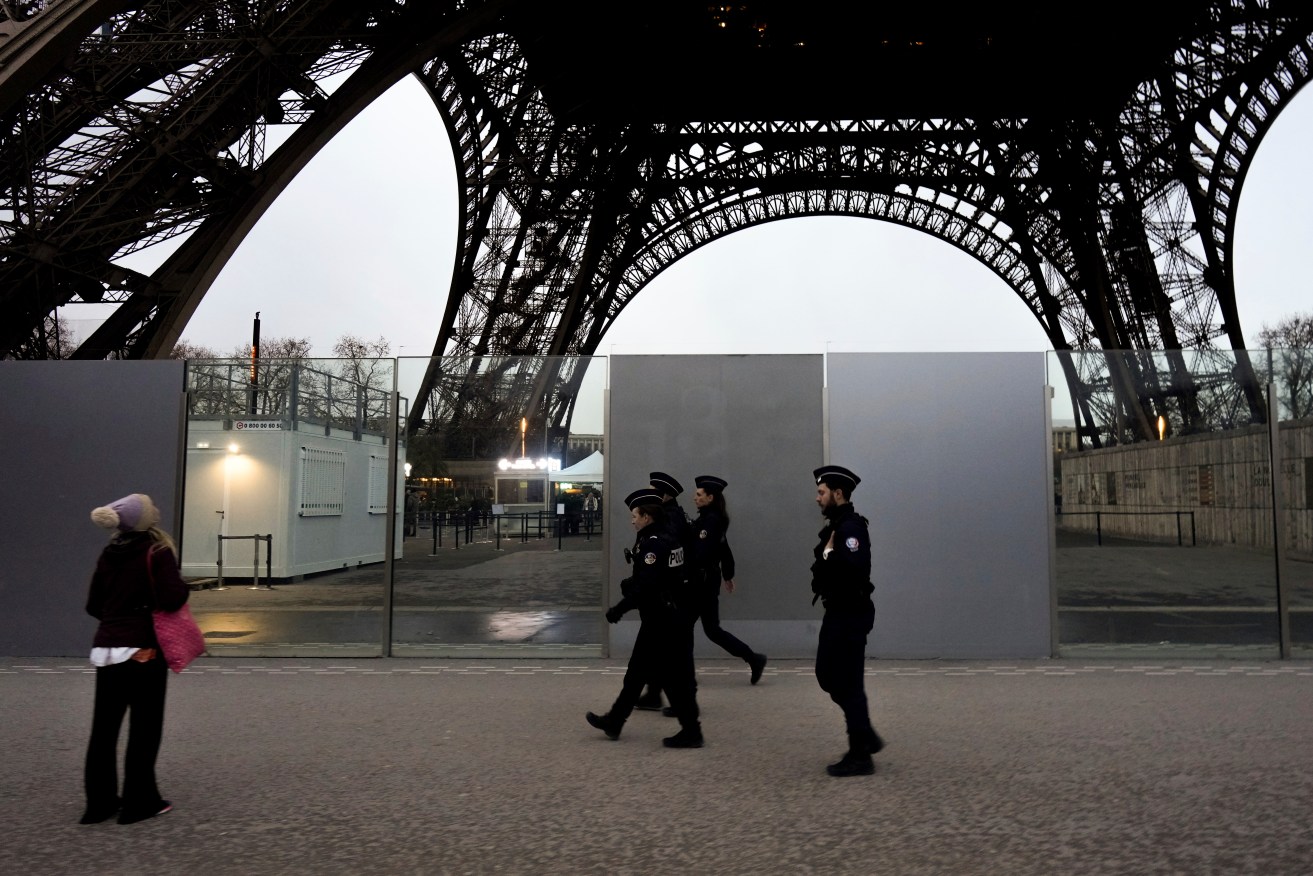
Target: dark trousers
136, 688
663, 654
841, 663
709, 610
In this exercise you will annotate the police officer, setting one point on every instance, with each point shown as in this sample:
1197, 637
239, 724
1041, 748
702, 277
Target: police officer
841, 579
708, 558
662, 650
679, 528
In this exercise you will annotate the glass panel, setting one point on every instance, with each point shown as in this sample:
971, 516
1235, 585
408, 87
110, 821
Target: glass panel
1163, 501
503, 550
285, 505
1292, 378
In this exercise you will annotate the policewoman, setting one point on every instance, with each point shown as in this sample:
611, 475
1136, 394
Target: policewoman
710, 561
663, 648
841, 579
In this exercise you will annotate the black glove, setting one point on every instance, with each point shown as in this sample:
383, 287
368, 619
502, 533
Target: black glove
613, 614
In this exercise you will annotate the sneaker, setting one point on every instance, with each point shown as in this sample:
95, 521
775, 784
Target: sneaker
605, 724
873, 742
852, 765
758, 663
684, 739
126, 817
669, 712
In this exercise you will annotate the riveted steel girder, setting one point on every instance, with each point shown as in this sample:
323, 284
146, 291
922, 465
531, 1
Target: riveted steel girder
126, 125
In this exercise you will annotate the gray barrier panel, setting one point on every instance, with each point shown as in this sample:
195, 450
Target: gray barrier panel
75, 435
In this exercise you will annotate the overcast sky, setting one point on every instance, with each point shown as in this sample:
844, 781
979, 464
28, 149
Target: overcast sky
363, 242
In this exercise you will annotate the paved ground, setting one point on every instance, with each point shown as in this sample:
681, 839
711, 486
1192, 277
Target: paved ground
431, 767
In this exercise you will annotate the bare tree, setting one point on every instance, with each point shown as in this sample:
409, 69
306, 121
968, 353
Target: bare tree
1291, 344
185, 349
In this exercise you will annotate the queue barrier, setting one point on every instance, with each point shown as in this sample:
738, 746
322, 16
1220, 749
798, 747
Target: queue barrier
255, 563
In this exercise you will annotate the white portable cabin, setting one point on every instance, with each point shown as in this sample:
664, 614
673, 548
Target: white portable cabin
313, 475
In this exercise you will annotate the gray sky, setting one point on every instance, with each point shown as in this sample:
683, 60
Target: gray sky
363, 241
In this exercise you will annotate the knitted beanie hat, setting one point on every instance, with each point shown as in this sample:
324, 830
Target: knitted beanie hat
134, 512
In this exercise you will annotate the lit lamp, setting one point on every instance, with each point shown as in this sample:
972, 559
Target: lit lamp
1162, 427
407, 471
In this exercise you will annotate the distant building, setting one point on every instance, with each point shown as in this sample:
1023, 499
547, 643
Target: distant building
581, 446
1065, 440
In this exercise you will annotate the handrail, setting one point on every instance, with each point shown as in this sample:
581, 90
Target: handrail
1098, 522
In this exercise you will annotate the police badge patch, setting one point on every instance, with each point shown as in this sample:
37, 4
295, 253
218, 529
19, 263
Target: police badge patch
649, 558
851, 543
702, 534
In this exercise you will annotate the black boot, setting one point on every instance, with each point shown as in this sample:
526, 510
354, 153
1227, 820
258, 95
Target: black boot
856, 761
689, 736
650, 701
608, 725
757, 662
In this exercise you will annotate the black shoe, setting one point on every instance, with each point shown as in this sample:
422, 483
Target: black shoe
605, 724
873, 742
100, 813
758, 663
649, 702
127, 817
685, 738
852, 764
669, 712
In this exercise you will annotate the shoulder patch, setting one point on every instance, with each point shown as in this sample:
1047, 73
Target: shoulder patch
852, 544
649, 558
702, 534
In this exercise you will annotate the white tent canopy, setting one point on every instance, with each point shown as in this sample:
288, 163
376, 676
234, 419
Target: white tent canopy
585, 471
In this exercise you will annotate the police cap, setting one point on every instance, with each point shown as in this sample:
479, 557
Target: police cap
645, 496
710, 483
665, 483
837, 477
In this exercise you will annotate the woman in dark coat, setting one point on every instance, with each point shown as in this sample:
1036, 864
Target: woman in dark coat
709, 559
136, 574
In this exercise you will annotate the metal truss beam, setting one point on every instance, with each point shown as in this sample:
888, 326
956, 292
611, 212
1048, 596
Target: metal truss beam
1115, 229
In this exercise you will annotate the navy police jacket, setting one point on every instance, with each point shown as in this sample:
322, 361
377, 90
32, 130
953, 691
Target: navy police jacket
709, 557
658, 575
843, 580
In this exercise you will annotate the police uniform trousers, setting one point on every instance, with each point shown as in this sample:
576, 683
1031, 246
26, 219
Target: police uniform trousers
663, 654
841, 662
709, 611
137, 689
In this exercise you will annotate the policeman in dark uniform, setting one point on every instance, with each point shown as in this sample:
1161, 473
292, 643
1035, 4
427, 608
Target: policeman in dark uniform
708, 559
663, 649
681, 530
841, 579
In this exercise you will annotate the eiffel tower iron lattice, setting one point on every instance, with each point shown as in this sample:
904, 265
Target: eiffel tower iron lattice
1111, 214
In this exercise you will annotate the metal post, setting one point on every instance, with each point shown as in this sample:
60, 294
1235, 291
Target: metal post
559, 518
1274, 469
496, 525
255, 562
1098, 526
390, 527
218, 564
1179, 542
